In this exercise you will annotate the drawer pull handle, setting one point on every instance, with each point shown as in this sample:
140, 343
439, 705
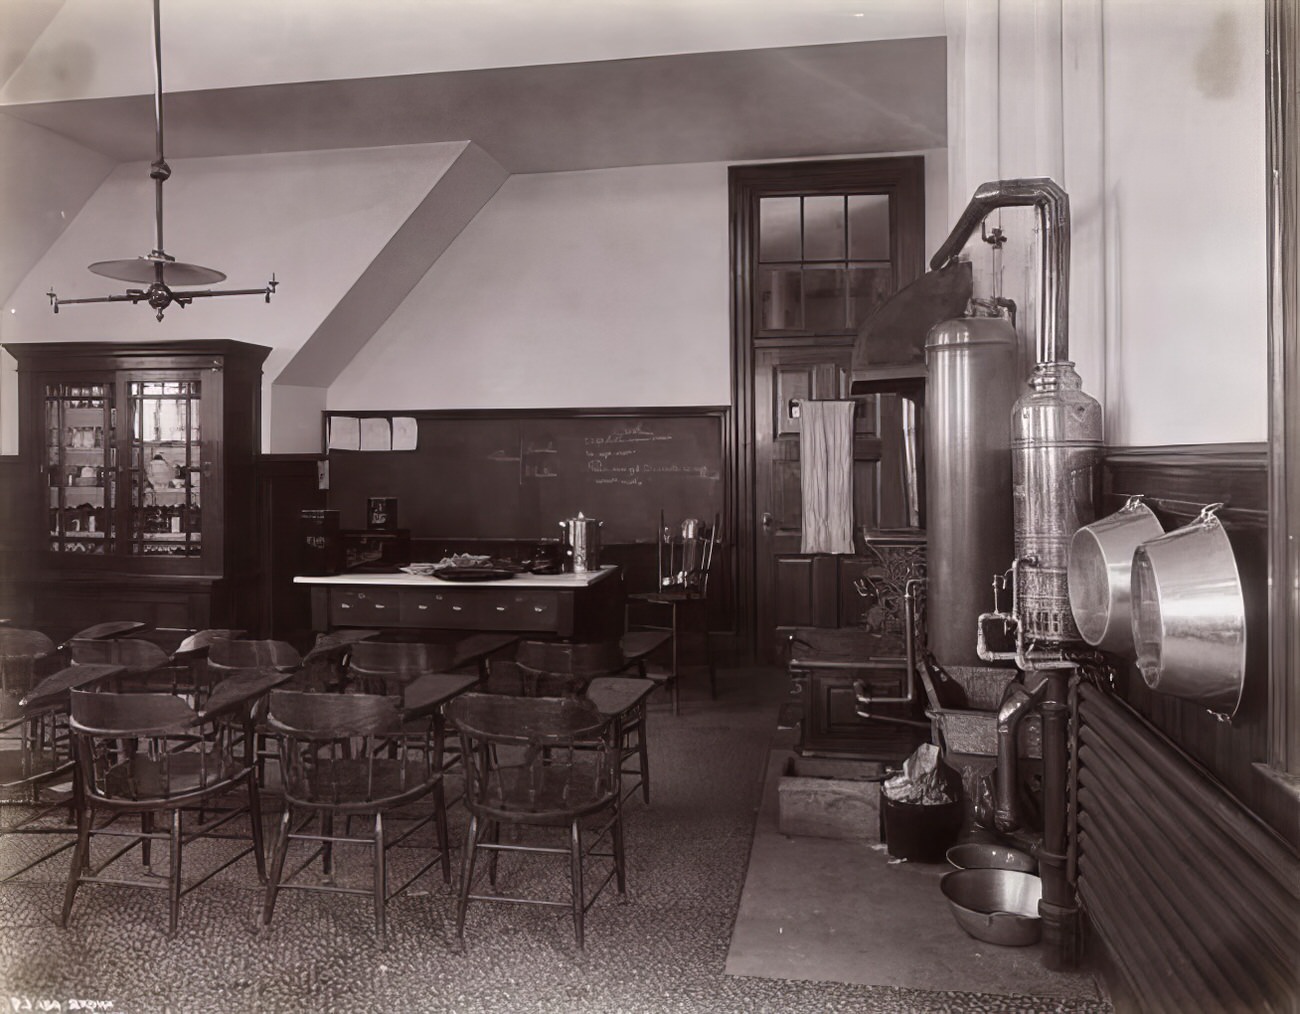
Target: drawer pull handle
379, 605
345, 605
539, 609
456, 609
501, 609
422, 606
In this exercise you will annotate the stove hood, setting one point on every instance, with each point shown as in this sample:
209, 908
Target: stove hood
889, 354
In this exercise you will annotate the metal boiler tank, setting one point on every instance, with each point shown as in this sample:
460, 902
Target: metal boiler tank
971, 386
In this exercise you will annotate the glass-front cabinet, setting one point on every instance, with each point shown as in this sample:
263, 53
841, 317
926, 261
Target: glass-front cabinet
165, 470
145, 455
134, 490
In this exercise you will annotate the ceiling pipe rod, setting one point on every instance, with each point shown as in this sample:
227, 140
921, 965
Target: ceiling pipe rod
159, 170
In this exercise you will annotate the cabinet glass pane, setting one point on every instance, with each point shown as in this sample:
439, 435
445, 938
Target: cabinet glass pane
80, 451
166, 486
868, 216
778, 229
823, 228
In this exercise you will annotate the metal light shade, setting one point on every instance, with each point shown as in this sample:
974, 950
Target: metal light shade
145, 271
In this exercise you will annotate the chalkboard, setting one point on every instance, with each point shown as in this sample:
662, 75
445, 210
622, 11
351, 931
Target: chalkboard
518, 474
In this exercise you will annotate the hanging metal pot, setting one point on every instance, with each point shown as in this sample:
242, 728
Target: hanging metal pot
1101, 561
1189, 616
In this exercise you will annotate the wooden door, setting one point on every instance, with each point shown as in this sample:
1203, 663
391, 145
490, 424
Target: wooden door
794, 588
816, 248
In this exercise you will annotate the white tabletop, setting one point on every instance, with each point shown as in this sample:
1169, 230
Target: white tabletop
555, 581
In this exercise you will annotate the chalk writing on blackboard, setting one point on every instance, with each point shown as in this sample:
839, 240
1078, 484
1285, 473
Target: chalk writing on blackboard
501, 455
629, 434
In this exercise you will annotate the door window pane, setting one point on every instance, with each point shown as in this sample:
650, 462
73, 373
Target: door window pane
868, 288
868, 217
780, 298
824, 299
778, 229
823, 228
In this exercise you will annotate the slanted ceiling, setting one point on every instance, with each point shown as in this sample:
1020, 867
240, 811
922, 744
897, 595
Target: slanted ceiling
518, 87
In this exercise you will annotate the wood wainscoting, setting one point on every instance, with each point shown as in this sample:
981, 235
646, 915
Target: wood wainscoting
1192, 896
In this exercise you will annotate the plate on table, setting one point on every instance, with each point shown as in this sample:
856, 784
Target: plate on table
473, 574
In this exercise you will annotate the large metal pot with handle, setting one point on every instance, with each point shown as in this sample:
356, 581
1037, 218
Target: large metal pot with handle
1189, 617
1100, 564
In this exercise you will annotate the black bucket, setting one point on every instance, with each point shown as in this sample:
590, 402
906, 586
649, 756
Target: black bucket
919, 832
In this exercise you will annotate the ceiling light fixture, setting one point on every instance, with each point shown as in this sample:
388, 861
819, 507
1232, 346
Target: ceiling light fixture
159, 270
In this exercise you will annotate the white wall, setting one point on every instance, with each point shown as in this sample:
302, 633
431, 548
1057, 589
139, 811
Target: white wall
1186, 222
1151, 116
584, 289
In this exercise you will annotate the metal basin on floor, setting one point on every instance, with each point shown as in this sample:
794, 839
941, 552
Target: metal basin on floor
978, 855
996, 906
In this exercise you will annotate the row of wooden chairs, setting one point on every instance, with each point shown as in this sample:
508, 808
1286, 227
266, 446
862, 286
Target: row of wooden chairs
187, 737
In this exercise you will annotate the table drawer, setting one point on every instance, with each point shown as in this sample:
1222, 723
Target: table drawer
530, 610
364, 607
480, 609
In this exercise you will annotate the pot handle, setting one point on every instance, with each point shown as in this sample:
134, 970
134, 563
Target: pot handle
1208, 515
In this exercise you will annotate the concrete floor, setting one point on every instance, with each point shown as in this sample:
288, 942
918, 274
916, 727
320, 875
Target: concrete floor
836, 910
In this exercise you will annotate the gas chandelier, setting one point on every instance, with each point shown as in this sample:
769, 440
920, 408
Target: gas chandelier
159, 269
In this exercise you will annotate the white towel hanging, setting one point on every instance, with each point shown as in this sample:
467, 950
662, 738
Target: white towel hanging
826, 476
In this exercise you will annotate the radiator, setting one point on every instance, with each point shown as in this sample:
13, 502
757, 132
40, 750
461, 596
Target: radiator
1198, 903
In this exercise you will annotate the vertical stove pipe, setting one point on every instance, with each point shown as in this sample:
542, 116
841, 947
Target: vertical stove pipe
1056, 452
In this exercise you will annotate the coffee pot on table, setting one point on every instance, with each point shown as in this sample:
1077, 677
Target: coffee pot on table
582, 543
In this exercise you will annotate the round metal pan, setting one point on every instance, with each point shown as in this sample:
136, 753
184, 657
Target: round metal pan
1100, 565
1189, 616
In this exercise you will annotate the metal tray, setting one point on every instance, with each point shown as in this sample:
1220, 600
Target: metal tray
473, 574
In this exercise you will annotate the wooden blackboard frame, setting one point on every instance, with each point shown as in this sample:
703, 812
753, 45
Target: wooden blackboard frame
413, 470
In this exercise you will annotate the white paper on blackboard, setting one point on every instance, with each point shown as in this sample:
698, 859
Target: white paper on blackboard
344, 433
405, 433
376, 434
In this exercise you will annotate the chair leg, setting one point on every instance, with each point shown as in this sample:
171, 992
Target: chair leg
440, 826
493, 830
327, 846
381, 879
80, 857
255, 826
676, 661
616, 835
575, 874
277, 865
466, 874
708, 651
146, 843
644, 755
174, 876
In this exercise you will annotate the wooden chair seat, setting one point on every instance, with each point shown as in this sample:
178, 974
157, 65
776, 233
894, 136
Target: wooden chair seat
178, 776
